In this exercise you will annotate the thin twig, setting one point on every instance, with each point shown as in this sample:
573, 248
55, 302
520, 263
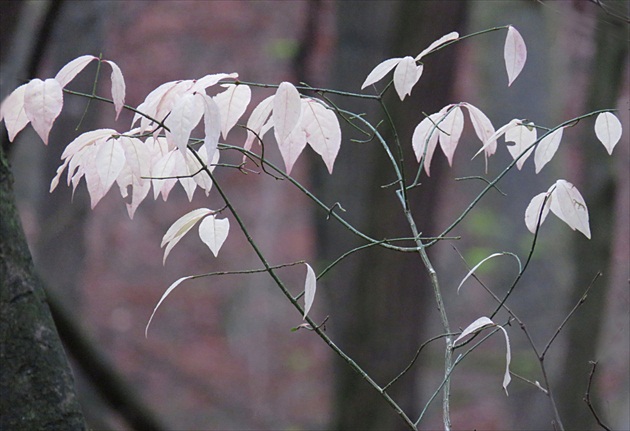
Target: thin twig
587, 396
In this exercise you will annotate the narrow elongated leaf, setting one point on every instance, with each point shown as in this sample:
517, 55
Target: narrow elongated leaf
492, 140
406, 75
149, 105
232, 104
213, 232
473, 269
483, 127
425, 139
608, 130
380, 71
450, 131
209, 80
508, 358
257, 119
533, 211
212, 126
13, 113
162, 168
72, 69
287, 111
181, 226
184, 117
43, 101
514, 54
166, 293
310, 287
85, 139
568, 204
110, 159
441, 41
546, 148
477, 325
118, 87
523, 137
323, 132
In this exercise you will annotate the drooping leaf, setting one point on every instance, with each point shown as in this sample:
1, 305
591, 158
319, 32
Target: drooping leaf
568, 204
212, 126
72, 69
209, 80
514, 54
608, 130
406, 75
287, 114
161, 171
43, 101
118, 87
184, 117
547, 148
533, 211
483, 127
257, 119
291, 147
380, 71
13, 113
450, 131
508, 358
85, 139
310, 286
473, 269
110, 159
523, 137
149, 105
441, 41
166, 293
323, 132
425, 139
181, 226
477, 325
213, 232
492, 140
232, 104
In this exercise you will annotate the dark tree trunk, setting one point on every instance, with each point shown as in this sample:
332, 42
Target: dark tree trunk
36, 384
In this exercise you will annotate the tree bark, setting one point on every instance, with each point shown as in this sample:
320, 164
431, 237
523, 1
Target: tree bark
36, 384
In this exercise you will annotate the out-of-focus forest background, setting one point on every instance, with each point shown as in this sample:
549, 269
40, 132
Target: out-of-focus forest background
220, 354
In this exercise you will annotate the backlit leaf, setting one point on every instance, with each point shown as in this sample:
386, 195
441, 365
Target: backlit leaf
13, 113
110, 159
380, 71
72, 69
232, 104
483, 127
118, 87
322, 130
523, 137
310, 286
514, 54
43, 101
450, 131
287, 113
425, 139
181, 226
212, 126
201, 84
546, 148
533, 211
476, 326
608, 130
473, 269
257, 119
441, 41
166, 293
213, 232
406, 75
184, 117
492, 140
568, 204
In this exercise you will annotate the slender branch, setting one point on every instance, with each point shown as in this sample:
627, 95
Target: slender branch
587, 396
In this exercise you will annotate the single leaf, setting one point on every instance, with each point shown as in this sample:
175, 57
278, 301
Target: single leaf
608, 130
72, 69
406, 75
546, 148
161, 169
523, 137
323, 132
535, 211
425, 139
232, 104
13, 113
508, 358
441, 41
118, 87
257, 119
180, 227
492, 140
380, 71
212, 126
310, 286
514, 54
184, 117
472, 271
149, 105
85, 139
43, 101
287, 111
213, 232
477, 325
291, 147
166, 293
450, 131
110, 159
568, 204
201, 84
483, 127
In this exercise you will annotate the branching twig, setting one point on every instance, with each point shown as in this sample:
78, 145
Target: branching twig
587, 396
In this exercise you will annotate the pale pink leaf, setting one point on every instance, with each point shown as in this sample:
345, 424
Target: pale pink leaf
441, 41
232, 104
287, 111
181, 226
212, 126
257, 119
185, 172
476, 326
547, 148
185, 116
483, 127
523, 137
514, 54
291, 147
72, 69
535, 211
13, 113
406, 75
149, 106
568, 204
310, 287
166, 293
425, 139
137, 156
85, 139
209, 80
89, 167
213, 232
323, 132
140, 190
110, 159
43, 101
492, 140
450, 131
118, 87
161, 169
380, 71
508, 358
55, 181
608, 130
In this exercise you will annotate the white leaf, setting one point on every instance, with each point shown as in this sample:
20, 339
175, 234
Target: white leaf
149, 105
118, 87
209, 80
212, 126
533, 211
380, 71
322, 130
287, 111
232, 105
213, 232
474, 268
13, 113
514, 54
406, 75
608, 130
184, 117
523, 137
483, 127
257, 119
441, 41
137, 156
568, 204
43, 101
492, 140
547, 148
450, 131
162, 168
425, 139
482, 322
291, 147
110, 159
181, 226
85, 139
168, 291
310, 286
72, 69
508, 358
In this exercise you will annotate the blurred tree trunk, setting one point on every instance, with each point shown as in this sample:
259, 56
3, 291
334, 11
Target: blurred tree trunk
598, 186
379, 298
36, 383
